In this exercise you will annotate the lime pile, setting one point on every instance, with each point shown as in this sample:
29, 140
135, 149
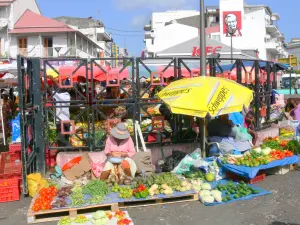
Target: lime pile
235, 191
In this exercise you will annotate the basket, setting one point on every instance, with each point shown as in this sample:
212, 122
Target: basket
15, 147
9, 190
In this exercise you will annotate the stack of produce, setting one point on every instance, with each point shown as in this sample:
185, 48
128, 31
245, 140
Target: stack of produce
100, 218
235, 191
62, 194
43, 201
141, 192
80, 219
125, 191
97, 189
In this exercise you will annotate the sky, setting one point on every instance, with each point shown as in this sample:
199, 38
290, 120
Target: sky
125, 19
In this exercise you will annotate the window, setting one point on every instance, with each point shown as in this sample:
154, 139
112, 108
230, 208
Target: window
22, 46
48, 46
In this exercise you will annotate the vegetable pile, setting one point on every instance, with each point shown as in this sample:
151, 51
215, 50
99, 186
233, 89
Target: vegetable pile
141, 192
46, 196
97, 189
100, 218
77, 196
235, 191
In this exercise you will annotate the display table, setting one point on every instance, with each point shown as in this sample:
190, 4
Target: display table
251, 172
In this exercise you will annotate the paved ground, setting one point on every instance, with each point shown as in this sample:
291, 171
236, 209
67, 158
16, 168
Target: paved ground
282, 207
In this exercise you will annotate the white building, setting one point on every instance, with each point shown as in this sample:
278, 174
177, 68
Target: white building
10, 12
94, 30
257, 34
37, 36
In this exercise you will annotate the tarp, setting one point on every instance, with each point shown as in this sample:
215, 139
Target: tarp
251, 172
223, 182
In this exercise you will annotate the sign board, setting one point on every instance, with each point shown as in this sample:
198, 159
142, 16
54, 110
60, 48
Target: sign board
209, 50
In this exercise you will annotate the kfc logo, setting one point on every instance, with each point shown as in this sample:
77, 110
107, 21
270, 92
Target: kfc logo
208, 50
232, 24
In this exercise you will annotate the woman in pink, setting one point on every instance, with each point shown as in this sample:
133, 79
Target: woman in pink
119, 146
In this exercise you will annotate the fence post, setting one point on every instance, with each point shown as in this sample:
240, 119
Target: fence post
257, 95
38, 116
269, 90
239, 71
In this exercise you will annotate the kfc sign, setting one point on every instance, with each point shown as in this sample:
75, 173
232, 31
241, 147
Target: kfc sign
209, 50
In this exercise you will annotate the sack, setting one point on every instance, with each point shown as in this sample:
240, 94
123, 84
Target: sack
173, 160
16, 131
35, 183
143, 161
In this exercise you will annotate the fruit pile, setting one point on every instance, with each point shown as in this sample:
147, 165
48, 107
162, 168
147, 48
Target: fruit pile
278, 155
234, 191
43, 202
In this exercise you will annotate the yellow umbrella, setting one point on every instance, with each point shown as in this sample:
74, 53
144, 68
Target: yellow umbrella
52, 73
206, 95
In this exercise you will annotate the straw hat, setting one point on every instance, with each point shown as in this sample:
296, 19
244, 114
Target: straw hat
120, 131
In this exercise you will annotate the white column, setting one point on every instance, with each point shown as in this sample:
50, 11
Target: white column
41, 46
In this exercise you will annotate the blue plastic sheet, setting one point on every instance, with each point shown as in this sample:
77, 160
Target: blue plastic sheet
251, 172
223, 182
16, 132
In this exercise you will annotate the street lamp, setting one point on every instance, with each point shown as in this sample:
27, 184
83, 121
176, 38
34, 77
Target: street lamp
202, 40
231, 32
202, 68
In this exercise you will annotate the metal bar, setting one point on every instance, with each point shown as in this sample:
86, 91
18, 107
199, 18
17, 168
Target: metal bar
38, 116
257, 99
268, 69
239, 71
202, 40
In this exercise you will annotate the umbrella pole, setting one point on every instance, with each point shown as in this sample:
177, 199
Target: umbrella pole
203, 137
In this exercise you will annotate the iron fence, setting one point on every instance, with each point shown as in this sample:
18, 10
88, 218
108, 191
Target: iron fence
93, 107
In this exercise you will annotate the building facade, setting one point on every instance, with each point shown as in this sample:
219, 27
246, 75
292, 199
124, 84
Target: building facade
10, 13
37, 36
253, 27
94, 30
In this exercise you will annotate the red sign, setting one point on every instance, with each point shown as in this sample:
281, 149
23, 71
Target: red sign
232, 23
208, 50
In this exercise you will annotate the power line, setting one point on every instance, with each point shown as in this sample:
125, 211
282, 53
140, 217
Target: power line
125, 31
128, 35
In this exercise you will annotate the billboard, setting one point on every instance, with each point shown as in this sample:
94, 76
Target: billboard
232, 23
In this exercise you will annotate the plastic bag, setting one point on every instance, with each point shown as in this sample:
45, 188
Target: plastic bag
16, 131
173, 160
189, 160
241, 134
35, 183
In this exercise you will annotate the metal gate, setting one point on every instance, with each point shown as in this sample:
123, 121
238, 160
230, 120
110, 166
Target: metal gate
31, 112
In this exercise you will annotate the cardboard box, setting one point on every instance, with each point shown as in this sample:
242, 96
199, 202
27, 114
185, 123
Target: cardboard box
78, 170
280, 170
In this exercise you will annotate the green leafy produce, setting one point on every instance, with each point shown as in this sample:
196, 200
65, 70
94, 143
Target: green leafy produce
293, 146
271, 144
166, 178
95, 199
96, 188
194, 174
65, 221
77, 196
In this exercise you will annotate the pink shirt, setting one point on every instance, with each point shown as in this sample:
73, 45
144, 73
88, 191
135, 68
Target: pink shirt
126, 146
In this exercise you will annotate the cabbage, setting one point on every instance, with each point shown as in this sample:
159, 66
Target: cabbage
266, 151
204, 192
257, 150
99, 215
206, 186
216, 193
218, 198
208, 199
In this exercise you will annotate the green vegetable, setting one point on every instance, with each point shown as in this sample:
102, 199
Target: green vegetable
65, 221
77, 196
96, 188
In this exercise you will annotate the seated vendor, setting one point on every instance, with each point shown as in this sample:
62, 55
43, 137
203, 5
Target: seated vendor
119, 145
220, 133
293, 109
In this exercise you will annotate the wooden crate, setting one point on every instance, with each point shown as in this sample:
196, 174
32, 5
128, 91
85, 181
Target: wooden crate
57, 214
161, 201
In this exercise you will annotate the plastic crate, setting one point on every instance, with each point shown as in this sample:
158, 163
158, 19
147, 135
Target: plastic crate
9, 190
260, 177
15, 147
13, 169
10, 157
